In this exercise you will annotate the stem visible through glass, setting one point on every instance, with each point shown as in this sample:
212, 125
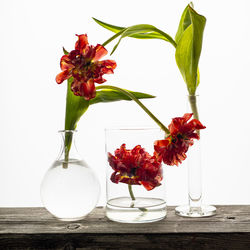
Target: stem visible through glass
67, 146
133, 198
194, 166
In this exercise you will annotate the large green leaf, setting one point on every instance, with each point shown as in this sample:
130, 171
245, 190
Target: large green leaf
189, 47
117, 29
141, 31
76, 106
184, 23
109, 95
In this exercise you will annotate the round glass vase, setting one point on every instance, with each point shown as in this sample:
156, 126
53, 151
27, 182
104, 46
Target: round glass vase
195, 207
69, 190
133, 203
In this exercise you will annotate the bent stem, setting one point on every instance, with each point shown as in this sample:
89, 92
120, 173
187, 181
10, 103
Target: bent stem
131, 193
131, 96
133, 198
193, 104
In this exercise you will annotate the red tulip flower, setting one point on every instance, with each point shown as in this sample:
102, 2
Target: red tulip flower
172, 150
135, 167
84, 66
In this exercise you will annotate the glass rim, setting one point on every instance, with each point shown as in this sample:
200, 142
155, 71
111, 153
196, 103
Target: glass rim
130, 128
67, 131
193, 95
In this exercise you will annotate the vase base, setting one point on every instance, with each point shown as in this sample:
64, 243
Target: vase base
144, 210
71, 219
195, 212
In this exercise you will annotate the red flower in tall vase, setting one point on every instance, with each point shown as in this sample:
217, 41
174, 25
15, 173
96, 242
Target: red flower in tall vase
172, 150
135, 167
84, 66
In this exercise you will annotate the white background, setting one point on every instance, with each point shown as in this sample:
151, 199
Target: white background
32, 105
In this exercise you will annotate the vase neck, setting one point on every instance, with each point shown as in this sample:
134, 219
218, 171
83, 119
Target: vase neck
68, 150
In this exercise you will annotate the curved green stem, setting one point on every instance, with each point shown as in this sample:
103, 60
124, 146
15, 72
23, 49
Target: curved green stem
112, 38
133, 198
131, 192
169, 38
130, 95
193, 104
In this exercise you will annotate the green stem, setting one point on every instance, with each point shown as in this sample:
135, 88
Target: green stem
67, 146
131, 96
131, 192
169, 38
133, 198
112, 38
193, 104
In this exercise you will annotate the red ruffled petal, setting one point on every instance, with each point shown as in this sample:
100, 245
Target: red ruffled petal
149, 186
83, 65
65, 63
64, 75
84, 89
81, 43
100, 52
115, 177
186, 117
88, 90
107, 66
173, 149
135, 167
99, 80
195, 124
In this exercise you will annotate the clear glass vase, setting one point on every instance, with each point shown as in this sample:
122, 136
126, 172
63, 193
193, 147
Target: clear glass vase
133, 203
195, 208
69, 190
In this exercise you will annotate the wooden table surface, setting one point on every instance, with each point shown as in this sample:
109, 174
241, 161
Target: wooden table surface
35, 228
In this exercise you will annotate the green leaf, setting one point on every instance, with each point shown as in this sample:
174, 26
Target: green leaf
184, 23
76, 106
189, 47
108, 95
140, 31
65, 51
117, 29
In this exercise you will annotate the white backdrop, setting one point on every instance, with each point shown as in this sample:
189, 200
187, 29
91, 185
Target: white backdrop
32, 105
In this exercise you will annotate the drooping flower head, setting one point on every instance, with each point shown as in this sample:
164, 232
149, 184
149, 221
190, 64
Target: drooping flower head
135, 167
84, 66
172, 150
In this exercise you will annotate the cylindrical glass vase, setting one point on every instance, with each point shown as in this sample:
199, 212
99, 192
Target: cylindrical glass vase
195, 208
70, 189
135, 190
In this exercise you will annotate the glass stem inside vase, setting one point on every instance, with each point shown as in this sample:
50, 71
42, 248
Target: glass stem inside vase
133, 198
194, 177
194, 164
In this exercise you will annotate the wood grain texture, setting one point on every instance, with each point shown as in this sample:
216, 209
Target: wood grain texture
35, 228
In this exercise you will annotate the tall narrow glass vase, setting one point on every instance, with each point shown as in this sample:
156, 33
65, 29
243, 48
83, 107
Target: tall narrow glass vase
70, 189
195, 208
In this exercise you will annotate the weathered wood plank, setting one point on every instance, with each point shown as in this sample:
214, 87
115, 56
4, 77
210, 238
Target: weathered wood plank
229, 219
197, 241
35, 228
